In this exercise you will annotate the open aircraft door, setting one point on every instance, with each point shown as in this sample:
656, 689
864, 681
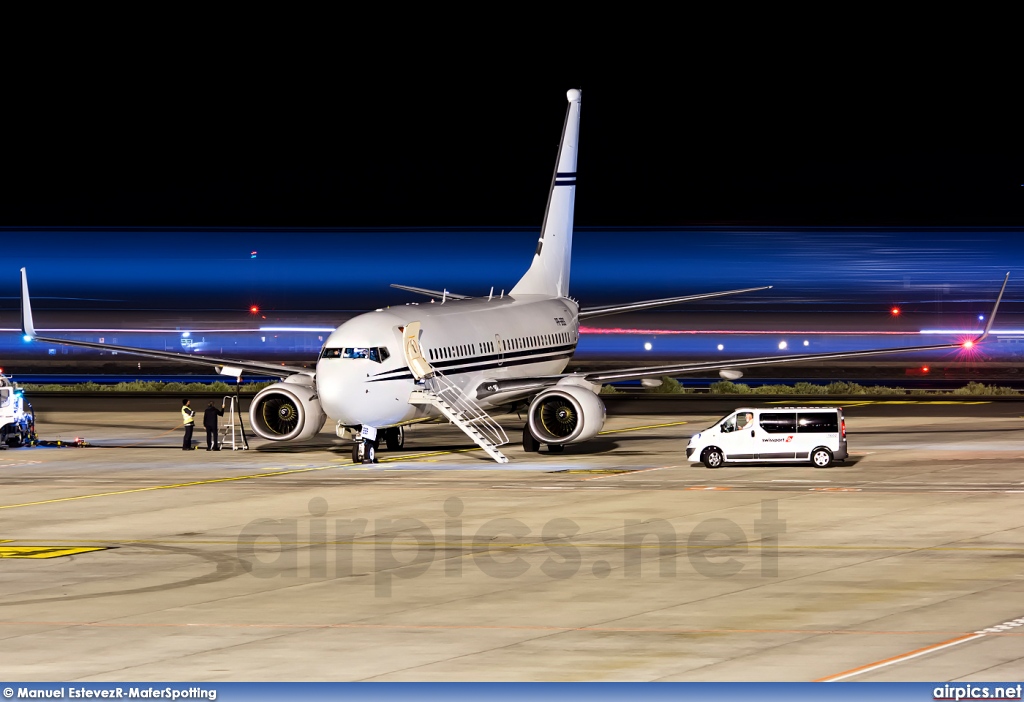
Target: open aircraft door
418, 365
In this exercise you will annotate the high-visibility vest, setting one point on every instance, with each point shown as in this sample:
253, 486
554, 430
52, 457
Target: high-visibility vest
188, 415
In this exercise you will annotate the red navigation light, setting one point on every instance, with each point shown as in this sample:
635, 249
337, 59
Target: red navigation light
895, 311
968, 344
924, 369
254, 309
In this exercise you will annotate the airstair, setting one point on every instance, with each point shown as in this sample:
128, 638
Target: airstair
461, 411
233, 432
454, 404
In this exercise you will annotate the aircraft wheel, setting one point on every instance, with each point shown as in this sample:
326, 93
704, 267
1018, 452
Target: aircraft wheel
556, 448
530, 444
821, 457
395, 438
712, 457
370, 453
355, 452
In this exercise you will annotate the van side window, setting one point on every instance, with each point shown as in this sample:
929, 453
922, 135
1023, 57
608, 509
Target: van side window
778, 422
817, 422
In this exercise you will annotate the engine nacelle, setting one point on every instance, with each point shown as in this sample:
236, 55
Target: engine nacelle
287, 411
566, 414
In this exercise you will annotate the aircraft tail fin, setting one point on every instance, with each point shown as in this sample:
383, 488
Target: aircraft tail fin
549, 272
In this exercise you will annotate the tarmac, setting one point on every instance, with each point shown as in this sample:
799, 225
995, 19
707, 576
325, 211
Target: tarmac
616, 560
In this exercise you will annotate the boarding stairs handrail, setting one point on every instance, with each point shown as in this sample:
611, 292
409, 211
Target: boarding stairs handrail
464, 413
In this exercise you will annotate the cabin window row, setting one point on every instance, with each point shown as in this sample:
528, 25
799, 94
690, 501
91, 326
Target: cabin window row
488, 347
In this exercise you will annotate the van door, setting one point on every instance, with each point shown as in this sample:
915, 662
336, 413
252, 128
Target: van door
775, 435
821, 428
735, 441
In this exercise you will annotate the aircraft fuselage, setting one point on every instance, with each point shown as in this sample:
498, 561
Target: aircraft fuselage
470, 341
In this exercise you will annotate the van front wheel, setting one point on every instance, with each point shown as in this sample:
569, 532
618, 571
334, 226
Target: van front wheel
712, 458
821, 457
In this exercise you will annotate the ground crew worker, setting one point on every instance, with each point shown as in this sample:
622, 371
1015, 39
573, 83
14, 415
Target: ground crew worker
188, 418
210, 422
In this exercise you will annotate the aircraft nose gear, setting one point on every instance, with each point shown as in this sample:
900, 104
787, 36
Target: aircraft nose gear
365, 450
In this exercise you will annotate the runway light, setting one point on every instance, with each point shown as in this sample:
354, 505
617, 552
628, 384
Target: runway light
968, 344
254, 309
647, 346
783, 345
27, 337
895, 311
806, 342
924, 369
721, 346
981, 318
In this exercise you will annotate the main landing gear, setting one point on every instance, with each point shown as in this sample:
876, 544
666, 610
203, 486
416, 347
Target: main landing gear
532, 445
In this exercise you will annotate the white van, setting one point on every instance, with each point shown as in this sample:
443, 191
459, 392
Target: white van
772, 435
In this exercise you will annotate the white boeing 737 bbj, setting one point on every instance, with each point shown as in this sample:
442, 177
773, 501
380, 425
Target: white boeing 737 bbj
384, 370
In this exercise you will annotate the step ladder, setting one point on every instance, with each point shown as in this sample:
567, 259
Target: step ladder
233, 432
463, 412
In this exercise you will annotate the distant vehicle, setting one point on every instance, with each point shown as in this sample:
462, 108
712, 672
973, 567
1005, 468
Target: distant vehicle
17, 422
773, 435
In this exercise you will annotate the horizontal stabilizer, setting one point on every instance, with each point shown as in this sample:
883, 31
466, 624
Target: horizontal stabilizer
431, 293
591, 312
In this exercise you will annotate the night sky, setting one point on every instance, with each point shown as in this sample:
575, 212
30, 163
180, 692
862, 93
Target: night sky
752, 133
146, 176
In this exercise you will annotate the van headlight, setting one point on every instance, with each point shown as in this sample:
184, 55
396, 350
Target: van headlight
695, 437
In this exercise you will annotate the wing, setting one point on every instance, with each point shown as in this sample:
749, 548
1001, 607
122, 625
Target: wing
224, 366
649, 371
523, 387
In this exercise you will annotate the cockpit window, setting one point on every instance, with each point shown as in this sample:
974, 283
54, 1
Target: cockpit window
375, 354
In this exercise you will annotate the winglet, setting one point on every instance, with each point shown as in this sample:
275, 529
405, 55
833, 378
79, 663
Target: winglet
27, 328
995, 308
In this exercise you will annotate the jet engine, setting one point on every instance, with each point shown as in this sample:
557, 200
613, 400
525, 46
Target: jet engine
286, 411
566, 414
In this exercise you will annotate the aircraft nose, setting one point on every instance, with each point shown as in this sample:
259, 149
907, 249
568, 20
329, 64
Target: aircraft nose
335, 385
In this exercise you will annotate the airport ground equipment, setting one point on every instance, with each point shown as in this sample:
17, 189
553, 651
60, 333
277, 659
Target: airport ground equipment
437, 391
461, 411
233, 432
17, 421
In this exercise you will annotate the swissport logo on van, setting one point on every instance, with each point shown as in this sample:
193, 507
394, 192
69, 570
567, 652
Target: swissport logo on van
778, 440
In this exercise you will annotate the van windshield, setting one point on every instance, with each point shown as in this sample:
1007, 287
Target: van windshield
726, 423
